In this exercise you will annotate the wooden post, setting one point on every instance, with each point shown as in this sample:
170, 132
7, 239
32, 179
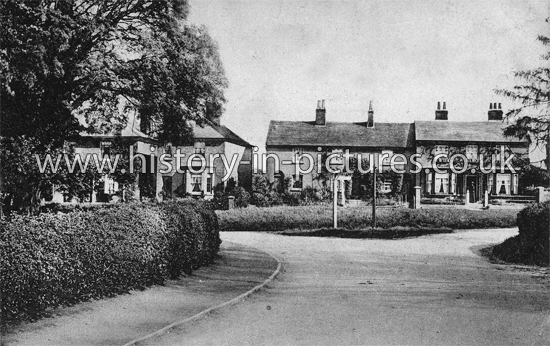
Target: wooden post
374, 198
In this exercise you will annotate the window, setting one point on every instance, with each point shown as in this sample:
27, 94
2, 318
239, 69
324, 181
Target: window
471, 152
453, 183
387, 157
297, 182
296, 152
209, 184
442, 183
441, 149
490, 182
200, 148
516, 184
337, 160
168, 149
110, 186
429, 183
196, 183
105, 149
386, 186
503, 184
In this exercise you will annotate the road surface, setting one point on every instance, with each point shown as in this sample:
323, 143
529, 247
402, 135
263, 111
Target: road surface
432, 290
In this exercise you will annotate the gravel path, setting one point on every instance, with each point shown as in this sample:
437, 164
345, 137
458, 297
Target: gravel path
433, 290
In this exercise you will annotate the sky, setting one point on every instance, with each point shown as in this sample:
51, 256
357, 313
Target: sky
280, 57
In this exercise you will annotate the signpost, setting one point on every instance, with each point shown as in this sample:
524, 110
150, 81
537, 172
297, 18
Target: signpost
374, 198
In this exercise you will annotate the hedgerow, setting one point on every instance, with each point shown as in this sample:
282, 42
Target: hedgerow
54, 260
320, 216
531, 245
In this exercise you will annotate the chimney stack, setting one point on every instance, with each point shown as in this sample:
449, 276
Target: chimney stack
320, 113
495, 111
441, 114
370, 121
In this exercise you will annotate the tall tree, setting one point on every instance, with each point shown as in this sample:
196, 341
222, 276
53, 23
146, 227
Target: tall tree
531, 120
71, 65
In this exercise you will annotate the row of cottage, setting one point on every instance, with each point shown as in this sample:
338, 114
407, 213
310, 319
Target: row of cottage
437, 139
286, 140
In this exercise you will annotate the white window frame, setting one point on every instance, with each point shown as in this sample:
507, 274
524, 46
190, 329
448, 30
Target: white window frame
443, 179
295, 152
472, 152
386, 160
504, 179
199, 148
193, 183
386, 186
104, 145
294, 181
168, 150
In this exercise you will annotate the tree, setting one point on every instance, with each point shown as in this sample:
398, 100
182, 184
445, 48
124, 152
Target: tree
531, 120
71, 65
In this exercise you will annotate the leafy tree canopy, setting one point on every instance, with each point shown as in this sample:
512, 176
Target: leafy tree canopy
73, 65
101, 61
531, 120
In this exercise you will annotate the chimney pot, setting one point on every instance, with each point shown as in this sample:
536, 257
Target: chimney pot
441, 114
320, 114
370, 119
494, 113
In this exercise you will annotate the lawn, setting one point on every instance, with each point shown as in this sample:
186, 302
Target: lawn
276, 219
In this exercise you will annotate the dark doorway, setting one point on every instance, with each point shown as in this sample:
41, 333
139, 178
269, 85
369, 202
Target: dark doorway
471, 186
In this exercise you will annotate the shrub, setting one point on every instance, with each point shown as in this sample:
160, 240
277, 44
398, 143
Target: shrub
320, 216
242, 197
531, 246
55, 260
397, 232
72, 207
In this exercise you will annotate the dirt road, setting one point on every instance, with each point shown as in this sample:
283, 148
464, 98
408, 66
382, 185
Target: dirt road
433, 290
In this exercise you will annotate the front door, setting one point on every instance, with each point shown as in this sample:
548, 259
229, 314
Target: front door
471, 187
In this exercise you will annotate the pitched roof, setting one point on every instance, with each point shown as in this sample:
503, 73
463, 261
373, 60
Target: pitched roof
453, 131
335, 134
211, 131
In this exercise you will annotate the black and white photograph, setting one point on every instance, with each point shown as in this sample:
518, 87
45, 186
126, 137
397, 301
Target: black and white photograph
274, 172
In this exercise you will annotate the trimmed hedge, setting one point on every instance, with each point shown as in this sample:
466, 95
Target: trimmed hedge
531, 246
397, 232
359, 217
54, 260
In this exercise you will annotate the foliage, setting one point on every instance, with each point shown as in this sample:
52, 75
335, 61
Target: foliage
531, 246
67, 65
531, 120
397, 232
242, 197
23, 185
55, 260
320, 216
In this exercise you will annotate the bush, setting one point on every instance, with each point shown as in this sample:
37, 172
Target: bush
72, 207
397, 232
242, 197
320, 216
531, 246
55, 260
